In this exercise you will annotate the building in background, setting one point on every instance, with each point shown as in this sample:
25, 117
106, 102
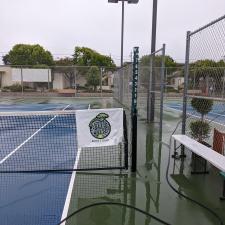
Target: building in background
176, 80
44, 79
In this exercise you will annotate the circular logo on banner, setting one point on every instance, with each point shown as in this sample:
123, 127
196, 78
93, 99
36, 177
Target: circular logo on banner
100, 128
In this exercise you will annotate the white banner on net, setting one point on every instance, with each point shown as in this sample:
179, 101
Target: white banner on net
31, 75
99, 127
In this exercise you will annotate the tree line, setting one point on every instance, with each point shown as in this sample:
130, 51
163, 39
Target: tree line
89, 62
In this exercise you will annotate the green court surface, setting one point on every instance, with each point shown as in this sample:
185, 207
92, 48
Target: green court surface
147, 189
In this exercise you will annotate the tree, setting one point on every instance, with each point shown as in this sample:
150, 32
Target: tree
170, 64
86, 57
207, 73
64, 62
25, 54
66, 66
93, 77
169, 61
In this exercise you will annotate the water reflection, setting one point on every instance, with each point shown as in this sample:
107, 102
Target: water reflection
100, 187
153, 166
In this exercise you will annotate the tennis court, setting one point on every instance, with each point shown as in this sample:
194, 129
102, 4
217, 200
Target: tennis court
39, 158
44, 198
217, 114
33, 148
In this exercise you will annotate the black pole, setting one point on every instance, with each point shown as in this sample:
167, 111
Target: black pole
153, 47
122, 34
125, 140
134, 109
154, 23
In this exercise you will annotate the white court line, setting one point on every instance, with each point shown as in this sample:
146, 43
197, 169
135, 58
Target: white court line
167, 107
18, 147
210, 120
70, 189
214, 113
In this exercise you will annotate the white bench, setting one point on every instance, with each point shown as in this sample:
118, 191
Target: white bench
203, 151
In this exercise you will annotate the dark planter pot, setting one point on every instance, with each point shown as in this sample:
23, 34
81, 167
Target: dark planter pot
197, 156
205, 143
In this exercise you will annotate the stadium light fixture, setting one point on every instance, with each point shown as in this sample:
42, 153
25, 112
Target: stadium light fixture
129, 1
122, 24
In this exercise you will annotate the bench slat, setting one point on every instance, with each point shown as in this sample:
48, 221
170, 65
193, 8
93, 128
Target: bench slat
207, 153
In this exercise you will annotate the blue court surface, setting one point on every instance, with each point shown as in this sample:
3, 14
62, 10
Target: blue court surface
217, 114
36, 198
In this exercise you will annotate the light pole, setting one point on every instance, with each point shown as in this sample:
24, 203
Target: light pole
154, 24
122, 23
153, 44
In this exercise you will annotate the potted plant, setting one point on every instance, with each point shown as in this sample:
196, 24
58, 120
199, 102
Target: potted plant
200, 129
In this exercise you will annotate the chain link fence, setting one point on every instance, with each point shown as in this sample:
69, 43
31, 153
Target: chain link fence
122, 85
56, 81
150, 87
204, 98
156, 88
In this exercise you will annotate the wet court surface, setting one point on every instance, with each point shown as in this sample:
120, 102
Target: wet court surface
39, 199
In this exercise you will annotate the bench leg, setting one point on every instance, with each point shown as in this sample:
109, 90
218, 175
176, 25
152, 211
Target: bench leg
182, 155
223, 197
175, 154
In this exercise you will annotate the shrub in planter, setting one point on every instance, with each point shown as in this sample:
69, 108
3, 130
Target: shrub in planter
202, 105
200, 129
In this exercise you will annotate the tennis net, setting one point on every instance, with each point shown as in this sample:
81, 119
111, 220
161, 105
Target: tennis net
47, 141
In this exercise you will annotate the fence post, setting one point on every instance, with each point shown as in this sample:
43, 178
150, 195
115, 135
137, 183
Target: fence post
101, 80
152, 89
166, 81
134, 110
21, 74
149, 106
75, 82
121, 84
186, 75
48, 81
223, 83
162, 85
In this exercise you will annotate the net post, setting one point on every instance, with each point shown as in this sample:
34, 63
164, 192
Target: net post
134, 109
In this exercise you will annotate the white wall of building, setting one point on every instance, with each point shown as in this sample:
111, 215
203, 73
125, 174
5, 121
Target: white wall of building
177, 81
6, 76
58, 81
10, 76
31, 75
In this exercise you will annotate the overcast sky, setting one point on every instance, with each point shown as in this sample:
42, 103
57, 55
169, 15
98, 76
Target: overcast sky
60, 25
